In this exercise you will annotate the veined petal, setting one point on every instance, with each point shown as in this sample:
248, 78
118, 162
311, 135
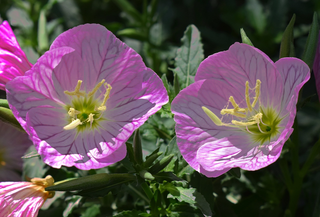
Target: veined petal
243, 63
295, 74
103, 55
101, 87
36, 89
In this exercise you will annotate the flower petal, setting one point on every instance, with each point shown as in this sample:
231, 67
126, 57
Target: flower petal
103, 55
36, 89
243, 63
194, 128
13, 61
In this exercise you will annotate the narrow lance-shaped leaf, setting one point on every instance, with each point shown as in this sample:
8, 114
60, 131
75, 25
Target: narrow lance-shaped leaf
189, 56
245, 39
137, 147
43, 43
311, 45
286, 47
191, 196
125, 6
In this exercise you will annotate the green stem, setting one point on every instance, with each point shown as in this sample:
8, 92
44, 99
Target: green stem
139, 193
147, 190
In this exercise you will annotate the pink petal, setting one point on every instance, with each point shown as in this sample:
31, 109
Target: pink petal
103, 55
243, 63
13, 61
36, 89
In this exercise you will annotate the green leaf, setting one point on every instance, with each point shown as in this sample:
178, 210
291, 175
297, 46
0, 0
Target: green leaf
137, 147
93, 182
133, 33
311, 45
71, 204
43, 43
4, 103
191, 196
7, 116
256, 16
245, 39
151, 158
168, 176
131, 213
92, 211
189, 56
169, 87
235, 172
286, 46
160, 165
130, 153
125, 6
146, 175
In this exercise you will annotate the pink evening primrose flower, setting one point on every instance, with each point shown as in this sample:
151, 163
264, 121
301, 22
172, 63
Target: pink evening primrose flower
84, 97
13, 61
240, 110
24, 198
13, 145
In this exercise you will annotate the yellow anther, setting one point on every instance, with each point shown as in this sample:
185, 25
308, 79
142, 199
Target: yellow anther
96, 88
243, 124
212, 116
258, 85
102, 107
73, 113
73, 124
90, 119
232, 112
233, 102
76, 91
248, 97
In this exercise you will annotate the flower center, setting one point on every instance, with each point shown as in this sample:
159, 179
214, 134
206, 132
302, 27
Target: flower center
85, 110
261, 124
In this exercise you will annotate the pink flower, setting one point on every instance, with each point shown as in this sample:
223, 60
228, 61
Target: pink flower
24, 198
83, 98
13, 145
240, 110
13, 61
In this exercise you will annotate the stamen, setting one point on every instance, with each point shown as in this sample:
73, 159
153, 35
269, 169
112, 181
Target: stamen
249, 130
96, 88
233, 102
212, 116
248, 97
90, 119
73, 113
73, 124
76, 91
102, 107
243, 124
260, 128
232, 112
257, 87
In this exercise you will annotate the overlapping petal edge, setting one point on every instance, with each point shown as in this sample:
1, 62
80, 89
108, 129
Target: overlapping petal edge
213, 150
89, 53
13, 61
